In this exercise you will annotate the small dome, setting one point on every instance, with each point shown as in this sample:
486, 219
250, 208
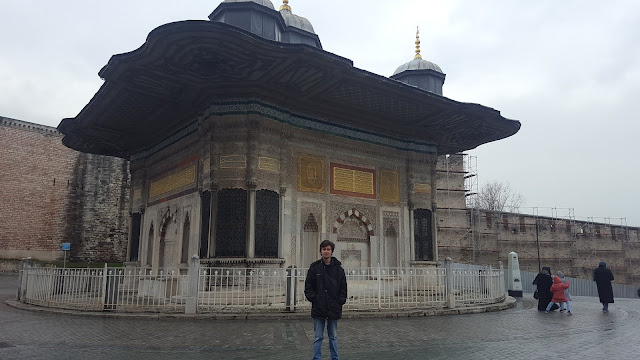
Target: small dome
266, 3
291, 19
418, 64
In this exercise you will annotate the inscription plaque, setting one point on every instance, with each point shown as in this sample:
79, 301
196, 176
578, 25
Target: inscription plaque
310, 173
233, 162
268, 164
389, 187
173, 182
353, 181
422, 188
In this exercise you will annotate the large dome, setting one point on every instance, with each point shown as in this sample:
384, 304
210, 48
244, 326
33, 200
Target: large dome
266, 3
418, 64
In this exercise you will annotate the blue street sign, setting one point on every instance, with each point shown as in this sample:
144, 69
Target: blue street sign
66, 246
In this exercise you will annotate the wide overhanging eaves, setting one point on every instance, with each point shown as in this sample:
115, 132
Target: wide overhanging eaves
183, 67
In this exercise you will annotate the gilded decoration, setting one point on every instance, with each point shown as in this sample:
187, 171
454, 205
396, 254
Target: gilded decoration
233, 162
269, 164
389, 186
311, 173
137, 194
422, 188
184, 178
353, 181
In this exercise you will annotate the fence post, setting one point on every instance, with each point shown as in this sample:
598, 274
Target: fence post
103, 288
193, 276
451, 300
379, 288
290, 300
22, 278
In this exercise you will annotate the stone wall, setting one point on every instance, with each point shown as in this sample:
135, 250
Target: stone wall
52, 194
574, 247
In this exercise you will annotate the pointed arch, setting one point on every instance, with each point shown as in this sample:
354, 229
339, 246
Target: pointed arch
353, 213
310, 241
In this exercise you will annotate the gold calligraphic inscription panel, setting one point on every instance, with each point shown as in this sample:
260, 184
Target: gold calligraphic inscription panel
311, 173
353, 181
389, 186
137, 194
268, 164
173, 182
233, 162
422, 188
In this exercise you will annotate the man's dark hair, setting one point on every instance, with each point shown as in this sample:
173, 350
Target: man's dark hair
326, 243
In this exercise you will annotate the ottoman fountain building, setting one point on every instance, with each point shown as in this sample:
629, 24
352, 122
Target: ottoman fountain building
249, 144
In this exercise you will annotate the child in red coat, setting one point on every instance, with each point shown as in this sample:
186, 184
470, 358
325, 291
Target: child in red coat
558, 289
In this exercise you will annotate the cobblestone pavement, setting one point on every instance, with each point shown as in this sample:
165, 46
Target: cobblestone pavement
520, 333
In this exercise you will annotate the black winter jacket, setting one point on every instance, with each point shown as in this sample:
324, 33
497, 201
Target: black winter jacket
326, 288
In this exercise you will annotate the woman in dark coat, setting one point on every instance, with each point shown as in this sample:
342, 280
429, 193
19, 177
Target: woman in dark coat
543, 282
603, 277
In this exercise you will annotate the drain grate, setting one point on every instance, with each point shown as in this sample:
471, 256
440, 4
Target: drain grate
5, 345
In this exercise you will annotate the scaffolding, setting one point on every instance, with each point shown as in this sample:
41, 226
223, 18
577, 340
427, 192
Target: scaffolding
457, 186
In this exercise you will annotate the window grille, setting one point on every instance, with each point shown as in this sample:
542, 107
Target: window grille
231, 223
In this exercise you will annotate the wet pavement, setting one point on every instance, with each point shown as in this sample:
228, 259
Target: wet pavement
519, 333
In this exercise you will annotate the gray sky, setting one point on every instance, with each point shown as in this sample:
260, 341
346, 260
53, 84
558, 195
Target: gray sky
569, 71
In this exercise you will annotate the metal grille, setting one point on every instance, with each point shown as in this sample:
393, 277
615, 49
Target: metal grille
231, 223
423, 234
267, 223
205, 200
136, 220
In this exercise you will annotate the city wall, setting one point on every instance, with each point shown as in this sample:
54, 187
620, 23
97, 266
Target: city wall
52, 195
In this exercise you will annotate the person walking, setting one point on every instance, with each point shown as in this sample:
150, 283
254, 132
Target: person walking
326, 288
543, 282
567, 295
603, 277
558, 288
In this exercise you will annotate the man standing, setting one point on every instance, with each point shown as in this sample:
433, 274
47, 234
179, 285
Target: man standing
326, 288
603, 277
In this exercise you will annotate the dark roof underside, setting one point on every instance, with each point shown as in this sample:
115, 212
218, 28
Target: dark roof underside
183, 67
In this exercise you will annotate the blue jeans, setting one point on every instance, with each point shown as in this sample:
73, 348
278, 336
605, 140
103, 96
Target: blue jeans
605, 306
318, 328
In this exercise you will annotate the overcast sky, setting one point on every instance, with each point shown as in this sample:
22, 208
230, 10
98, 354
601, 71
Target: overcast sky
569, 71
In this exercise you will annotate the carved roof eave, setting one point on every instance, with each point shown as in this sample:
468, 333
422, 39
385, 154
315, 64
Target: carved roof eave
152, 92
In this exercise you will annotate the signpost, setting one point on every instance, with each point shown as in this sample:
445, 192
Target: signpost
65, 247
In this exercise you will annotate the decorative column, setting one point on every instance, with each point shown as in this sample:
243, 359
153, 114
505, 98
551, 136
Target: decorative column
283, 191
251, 233
412, 239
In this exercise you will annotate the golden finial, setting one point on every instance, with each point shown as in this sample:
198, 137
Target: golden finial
285, 5
418, 56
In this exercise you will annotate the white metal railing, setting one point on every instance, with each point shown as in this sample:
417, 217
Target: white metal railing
477, 287
388, 288
238, 290
241, 289
65, 288
131, 289
142, 289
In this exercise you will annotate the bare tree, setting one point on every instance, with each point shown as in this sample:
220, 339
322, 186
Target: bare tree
498, 196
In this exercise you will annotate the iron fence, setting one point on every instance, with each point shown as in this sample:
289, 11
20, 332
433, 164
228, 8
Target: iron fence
238, 290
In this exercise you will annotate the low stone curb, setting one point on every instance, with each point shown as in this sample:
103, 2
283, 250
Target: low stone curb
508, 303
